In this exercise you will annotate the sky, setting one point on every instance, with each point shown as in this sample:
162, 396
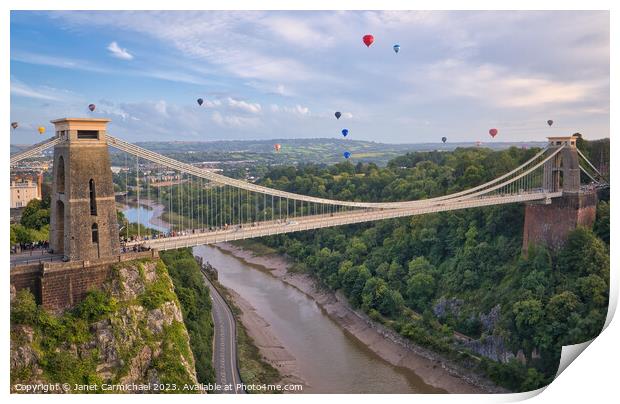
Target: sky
277, 74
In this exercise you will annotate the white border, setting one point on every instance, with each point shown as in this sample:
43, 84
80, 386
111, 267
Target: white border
593, 376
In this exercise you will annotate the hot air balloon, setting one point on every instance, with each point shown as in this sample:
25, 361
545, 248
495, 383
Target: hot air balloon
396, 48
338, 114
550, 122
199, 101
493, 132
91, 107
346, 154
14, 125
444, 139
277, 147
368, 39
345, 132
41, 130
478, 143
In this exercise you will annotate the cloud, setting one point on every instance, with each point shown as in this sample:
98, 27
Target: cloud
471, 66
253, 108
501, 87
298, 32
298, 110
118, 52
211, 103
235, 121
271, 88
23, 90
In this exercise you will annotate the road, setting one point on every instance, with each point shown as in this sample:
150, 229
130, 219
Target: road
224, 343
33, 256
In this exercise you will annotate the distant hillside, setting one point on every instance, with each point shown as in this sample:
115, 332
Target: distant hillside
320, 150
296, 151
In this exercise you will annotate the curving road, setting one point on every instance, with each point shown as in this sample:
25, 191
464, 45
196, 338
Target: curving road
224, 344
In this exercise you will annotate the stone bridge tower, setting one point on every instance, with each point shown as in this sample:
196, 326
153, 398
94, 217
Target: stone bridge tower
83, 223
549, 224
562, 172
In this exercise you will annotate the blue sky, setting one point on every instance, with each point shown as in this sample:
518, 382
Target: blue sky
275, 74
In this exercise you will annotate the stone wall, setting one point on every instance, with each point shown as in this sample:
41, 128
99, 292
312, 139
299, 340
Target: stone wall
27, 277
61, 285
550, 224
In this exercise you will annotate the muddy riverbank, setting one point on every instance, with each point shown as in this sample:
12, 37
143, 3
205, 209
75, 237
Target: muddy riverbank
434, 370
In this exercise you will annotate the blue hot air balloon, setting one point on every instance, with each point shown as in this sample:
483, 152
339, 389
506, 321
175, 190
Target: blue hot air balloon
199, 101
396, 48
346, 154
444, 139
338, 114
345, 132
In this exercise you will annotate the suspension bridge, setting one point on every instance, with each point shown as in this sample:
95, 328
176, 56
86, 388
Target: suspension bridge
212, 208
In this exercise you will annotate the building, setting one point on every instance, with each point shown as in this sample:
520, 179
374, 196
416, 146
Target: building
23, 192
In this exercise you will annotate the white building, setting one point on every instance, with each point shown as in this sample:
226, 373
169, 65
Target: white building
23, 192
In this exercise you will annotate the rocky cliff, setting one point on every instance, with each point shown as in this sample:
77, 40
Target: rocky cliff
129, 333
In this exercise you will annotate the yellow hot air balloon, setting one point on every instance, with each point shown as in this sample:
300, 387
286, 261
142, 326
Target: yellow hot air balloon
41, 130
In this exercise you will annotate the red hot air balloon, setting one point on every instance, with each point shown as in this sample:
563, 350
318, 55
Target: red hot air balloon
277, 147
368, 39
91, 107
493, 132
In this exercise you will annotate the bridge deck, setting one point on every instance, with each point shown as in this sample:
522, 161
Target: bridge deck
321, 221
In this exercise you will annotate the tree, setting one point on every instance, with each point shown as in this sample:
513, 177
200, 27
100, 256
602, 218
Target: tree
593, 291
35, 215
601, 225
584, 254
21, 235
528, 314
561, 305
420, 290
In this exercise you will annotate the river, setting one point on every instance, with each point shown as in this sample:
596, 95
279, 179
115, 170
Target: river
146, 215
329, 359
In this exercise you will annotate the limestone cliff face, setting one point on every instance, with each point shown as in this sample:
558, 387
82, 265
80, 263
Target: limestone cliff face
130, 332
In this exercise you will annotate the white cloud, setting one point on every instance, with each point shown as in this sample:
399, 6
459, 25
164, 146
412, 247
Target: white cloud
253, 108
23, 90
298, 32
118, 52
499, 86
234, 121
161, 107
298, 110
211, 103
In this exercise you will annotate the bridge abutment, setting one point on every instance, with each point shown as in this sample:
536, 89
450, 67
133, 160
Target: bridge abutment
550, 224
